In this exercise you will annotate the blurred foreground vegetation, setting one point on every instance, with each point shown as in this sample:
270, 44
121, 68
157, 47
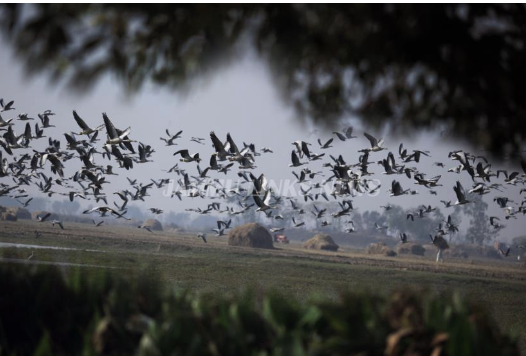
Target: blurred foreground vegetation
43, 311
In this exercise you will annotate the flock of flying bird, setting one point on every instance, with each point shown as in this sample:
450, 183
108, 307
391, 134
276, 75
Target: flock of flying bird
345, 179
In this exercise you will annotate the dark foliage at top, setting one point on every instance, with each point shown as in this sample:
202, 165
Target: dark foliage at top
454, 65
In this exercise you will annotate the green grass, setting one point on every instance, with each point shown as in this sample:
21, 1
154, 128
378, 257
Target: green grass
185, 262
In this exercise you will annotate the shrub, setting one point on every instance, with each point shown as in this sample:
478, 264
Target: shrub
41, 312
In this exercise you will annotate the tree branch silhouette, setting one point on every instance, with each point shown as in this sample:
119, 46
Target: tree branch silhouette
454, 67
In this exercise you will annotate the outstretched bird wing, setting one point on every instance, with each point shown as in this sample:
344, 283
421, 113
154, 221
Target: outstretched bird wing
371, 139
79, 121
110, 129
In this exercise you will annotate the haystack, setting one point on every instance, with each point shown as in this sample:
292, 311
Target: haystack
410, 248
321, 242
13, 214
6, 216
250, 235
153, 224
20, 213
380, 248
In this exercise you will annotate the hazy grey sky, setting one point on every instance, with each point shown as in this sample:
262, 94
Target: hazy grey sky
241, 100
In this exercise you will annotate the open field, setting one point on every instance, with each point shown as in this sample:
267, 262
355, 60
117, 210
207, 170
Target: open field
183, 260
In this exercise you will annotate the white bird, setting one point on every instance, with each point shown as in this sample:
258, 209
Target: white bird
5, 123
203, 236
262, 204
198, 140
348, 132
302, 148
104, 210
6, 107
297, 224
277, 229
43, 218
479, 188
318, 213
351, 229
145, 228
379, 227
447, 204
98, 224
219, 232
495, 225
340, 136
186, 157
224, 224
25, 117
375, 144
171, 138
461, 194
295, 160
396, 189
59, 223
115, 137
325, 145
86, 130
26, 203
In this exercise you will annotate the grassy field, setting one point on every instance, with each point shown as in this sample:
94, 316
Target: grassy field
184, 261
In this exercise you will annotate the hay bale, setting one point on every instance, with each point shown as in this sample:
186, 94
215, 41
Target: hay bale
380, 248
20, 213
321, 242
250, 235
6, 216
410, 248
153, 224
34, 215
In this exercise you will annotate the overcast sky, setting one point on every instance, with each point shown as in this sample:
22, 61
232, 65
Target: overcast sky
241, 100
